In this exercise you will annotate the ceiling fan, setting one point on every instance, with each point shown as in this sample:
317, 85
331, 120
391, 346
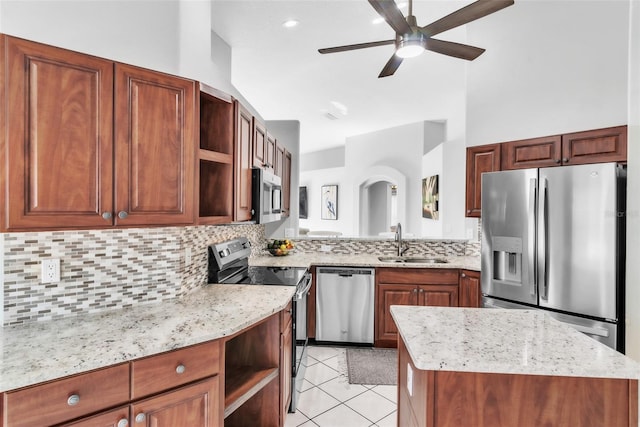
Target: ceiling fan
411, 40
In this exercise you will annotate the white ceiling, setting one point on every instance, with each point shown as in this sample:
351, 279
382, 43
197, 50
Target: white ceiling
280, 72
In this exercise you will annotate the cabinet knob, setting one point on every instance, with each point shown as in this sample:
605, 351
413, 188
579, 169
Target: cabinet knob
122, 214
415, 291
565, 160
463, 275
180, 369
123, 423
140, 417
558, 161
73, 400
107, 215
421, 290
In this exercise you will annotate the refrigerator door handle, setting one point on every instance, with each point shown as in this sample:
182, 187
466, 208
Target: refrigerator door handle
543, 238
601, 332
531, 234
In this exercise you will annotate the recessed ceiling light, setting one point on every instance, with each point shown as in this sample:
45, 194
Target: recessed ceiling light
290, 23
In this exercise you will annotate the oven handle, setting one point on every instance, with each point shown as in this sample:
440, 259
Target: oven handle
305, 290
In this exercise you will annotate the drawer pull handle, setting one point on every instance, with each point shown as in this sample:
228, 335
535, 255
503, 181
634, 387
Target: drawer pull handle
122, 214
180, 369
73, 400
107, 215
140, 417
123, 423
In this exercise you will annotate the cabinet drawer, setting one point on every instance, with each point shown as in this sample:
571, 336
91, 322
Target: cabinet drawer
416, 276
53, 402
164, 371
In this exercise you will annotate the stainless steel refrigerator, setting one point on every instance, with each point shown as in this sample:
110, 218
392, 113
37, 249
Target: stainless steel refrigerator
553, 239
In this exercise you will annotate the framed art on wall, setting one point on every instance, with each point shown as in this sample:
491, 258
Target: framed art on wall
329, 202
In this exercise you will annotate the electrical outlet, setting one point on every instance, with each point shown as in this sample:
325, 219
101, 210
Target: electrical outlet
50, 270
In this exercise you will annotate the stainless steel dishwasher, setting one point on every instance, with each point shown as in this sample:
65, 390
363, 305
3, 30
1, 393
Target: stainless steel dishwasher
344, 304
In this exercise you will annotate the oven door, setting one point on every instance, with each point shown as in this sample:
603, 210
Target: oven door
299, 350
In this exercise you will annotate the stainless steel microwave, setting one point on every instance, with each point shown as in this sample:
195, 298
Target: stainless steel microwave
266, 196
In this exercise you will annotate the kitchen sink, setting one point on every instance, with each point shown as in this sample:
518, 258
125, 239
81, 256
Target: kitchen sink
415, 260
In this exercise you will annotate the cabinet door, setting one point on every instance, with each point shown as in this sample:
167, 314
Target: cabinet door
480, 159
470, 291
197, 405
114, 418
242, 163
286, 184
259, 144
386, 332
595, 146
270, 153
58, 138
155, 147
532, 153
286, 368
438, 295
279, 163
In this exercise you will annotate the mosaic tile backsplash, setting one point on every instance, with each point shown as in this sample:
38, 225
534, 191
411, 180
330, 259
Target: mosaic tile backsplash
106, 269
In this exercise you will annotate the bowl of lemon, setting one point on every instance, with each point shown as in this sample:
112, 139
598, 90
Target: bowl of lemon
280, 247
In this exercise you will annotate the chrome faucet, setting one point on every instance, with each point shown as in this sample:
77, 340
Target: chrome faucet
401, 250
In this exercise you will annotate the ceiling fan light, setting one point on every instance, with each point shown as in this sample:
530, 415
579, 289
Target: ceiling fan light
411, 46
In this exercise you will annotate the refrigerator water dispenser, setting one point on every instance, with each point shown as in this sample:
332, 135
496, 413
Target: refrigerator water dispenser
507, 259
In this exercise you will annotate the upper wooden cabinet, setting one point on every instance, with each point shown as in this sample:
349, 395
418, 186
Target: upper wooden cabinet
593, 146
243, 163
215, 157
91, 143
270, 151
259, 144
532, 153
155, 147
58, 142
480, 159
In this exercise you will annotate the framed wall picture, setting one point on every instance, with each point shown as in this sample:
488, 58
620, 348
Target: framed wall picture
329, 202
430, 197
302, 197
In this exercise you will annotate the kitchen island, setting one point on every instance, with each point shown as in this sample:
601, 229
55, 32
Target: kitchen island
480, 367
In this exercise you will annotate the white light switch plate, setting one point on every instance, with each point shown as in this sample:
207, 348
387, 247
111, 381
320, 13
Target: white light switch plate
50, 270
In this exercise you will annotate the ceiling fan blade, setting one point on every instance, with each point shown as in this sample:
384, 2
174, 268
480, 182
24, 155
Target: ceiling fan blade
462, 51
391, 66
355, 46
390, 12
465, 15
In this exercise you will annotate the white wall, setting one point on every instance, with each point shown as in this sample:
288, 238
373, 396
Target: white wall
135, 32
581, 83
633, 189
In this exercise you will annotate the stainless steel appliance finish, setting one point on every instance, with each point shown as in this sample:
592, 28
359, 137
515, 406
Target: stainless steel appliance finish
553, 238
345, 304
229, 264
266, 196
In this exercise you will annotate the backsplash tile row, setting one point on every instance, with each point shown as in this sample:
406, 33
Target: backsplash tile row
107, 269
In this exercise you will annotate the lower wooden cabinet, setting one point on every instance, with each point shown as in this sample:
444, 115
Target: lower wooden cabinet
410, 286
193, 405
470, 290
286, 360
114, 418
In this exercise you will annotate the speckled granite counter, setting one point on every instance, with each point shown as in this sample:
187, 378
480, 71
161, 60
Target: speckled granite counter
302, 259
44, 351
504, 341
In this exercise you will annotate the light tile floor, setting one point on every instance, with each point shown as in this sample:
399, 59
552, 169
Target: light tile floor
328, 400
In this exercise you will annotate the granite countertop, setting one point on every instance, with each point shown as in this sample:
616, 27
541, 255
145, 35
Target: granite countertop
43, 351
304, 259
505, 341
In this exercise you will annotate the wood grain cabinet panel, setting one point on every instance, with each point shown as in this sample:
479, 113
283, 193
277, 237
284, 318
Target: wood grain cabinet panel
52, 403
595, 146
409, 286
270, 151
480, 159
155, 147
195, 405
532, 153
259, 144
470, 291
114, 418
243, 163
168, 370
58, 144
